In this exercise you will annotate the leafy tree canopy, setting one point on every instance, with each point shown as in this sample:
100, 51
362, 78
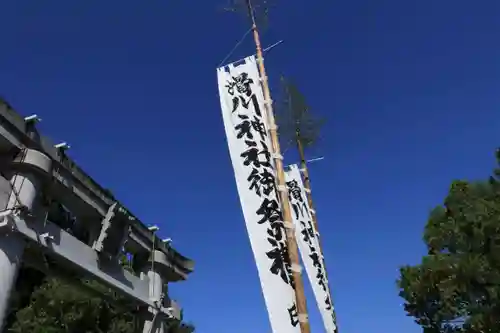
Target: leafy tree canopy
456, 287
260, 9
295, 119
57, 306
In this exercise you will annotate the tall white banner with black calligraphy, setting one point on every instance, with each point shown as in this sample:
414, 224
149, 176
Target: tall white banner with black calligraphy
308, 242
247, 130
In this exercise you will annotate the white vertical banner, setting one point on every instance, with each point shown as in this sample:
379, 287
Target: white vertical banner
247, 131
308, 243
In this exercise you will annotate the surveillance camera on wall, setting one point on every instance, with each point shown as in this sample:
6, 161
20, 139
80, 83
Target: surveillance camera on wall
153, 228
32, 119
63, 146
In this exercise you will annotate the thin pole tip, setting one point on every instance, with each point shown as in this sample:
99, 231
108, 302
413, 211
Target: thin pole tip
315, 159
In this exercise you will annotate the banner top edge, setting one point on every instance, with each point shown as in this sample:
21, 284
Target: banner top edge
240, 62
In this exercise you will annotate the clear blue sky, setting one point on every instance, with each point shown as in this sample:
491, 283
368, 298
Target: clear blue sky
410, 89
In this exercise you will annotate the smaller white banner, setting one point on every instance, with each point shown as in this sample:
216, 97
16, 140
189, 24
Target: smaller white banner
307, 240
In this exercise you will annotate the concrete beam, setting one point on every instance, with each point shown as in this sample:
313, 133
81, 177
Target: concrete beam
78, 191
62, 246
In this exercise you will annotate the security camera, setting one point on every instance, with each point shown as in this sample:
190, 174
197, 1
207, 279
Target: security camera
32, 119
63, 146
153, 228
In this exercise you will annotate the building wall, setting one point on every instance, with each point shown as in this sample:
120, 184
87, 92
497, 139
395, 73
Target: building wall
5, 190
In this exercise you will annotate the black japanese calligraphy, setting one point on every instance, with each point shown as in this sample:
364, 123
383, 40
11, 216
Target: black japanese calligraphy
297, 201
250, 128
242, 83
307, 233
276, 232
294, 191
261, 182
300, 210
245, 95
255, 157
246, 103
294, 315
328, 303
302, 216
281, 262
259, 127
310, 231
270, 211
321, 279
246, 126
316, 259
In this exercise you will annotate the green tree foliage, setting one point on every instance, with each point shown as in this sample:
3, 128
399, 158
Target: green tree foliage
181, 327
50, 305
295, 119
57, 306
456, 288
260, 9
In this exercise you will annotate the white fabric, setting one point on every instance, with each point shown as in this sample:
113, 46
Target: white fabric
308, 243
276, 286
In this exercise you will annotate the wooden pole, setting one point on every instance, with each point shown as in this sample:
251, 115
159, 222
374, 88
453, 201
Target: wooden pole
307, 186
293, 251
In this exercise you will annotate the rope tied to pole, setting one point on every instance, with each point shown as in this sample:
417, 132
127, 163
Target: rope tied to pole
236, 46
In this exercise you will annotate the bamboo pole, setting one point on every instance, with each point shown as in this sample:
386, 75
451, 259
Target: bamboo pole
307, 185
293, 251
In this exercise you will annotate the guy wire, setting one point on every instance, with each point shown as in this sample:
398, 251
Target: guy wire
235, 47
